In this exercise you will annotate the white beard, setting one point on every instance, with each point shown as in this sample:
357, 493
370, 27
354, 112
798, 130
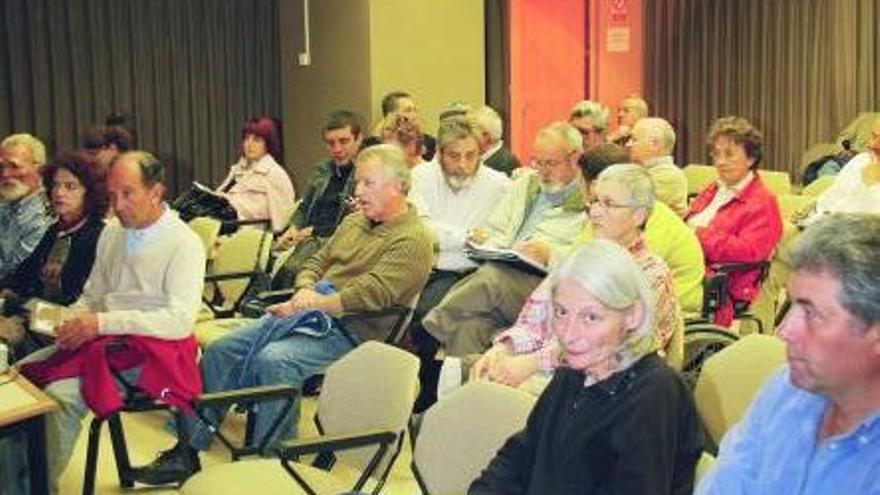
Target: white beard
457, 183
552, 188
13, 191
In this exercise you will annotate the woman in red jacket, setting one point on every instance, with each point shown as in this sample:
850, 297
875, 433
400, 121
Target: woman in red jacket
736, 218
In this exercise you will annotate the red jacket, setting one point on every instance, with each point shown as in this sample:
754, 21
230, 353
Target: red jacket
169, 372
745, 230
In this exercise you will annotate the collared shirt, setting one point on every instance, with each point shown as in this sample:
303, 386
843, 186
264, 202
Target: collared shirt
543, 202
531, 333
776, 449
24, 222
492, 149
724, 195
670, 184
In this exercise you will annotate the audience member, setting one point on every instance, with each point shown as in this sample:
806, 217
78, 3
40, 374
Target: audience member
107, 142
815, 425
402, 131
24, 207
329, 195
452, 197
620, 206
378, 257
857, 187
257, 186
651, 146
401, 102
495, 154
736, 218
144, 290
57, 269
539, 218
590, 118
615, 418
632, 109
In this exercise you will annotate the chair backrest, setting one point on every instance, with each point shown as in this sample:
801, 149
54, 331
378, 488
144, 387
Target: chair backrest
245, 250
818, 186
729, 380
704, 465
207, 229
790, 204
372, 387
462, 432
777, 182
698, 177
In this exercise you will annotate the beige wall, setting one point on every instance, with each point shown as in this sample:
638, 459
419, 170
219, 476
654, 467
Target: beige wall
429, 48
361, 49
337, 78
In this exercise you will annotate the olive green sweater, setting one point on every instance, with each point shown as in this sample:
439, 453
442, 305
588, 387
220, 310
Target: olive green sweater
374, 266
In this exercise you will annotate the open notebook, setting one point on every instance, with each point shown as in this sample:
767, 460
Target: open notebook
482, 252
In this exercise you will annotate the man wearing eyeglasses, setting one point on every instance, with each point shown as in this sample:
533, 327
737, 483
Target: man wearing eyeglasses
539, 217
24, 207
651, 146
590, 118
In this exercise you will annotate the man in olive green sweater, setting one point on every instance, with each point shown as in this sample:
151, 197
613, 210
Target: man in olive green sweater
378, 257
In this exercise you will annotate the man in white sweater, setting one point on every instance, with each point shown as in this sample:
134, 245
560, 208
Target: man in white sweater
146, 281
452, 195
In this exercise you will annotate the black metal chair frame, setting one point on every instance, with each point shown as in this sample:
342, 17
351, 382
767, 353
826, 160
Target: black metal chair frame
716, 291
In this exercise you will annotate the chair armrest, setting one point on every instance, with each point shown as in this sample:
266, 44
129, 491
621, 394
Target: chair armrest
275, 296
251, 394
220, 277
292, 449
393, 310
726, 268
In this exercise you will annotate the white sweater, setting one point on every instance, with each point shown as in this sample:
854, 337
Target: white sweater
155, 288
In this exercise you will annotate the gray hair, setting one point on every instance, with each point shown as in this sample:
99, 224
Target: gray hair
393, 162
152, 170
847, 246
634, 179
36, 147
592, 110
609, 272
566, 133
488, 120
658, 130
454, 129
637, 103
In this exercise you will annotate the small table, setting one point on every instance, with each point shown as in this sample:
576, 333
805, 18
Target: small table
22, 406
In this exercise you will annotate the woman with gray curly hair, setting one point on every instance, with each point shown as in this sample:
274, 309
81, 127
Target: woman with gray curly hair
615, 418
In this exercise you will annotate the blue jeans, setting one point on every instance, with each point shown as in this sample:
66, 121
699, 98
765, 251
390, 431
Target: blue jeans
288, 361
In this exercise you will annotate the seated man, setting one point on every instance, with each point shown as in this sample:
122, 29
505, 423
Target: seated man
378, 257
651, 147
539, 217
328, 195
495, 154
452, 197
590, 118
814, 427
632, 109
24, 207
145, 286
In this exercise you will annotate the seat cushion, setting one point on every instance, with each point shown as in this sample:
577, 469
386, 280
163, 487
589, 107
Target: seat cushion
263, 476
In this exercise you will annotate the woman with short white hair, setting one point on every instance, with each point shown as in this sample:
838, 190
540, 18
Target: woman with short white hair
615, 418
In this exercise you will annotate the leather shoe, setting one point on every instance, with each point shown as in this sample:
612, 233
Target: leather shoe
175, 465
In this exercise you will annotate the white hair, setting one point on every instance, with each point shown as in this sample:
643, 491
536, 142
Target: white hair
488, 120
658, 130
37, 148
393, 163
566, 133
593, 110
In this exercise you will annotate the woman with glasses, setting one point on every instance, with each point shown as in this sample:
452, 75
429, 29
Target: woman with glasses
615, 418
736, 218
620, 204
59, 266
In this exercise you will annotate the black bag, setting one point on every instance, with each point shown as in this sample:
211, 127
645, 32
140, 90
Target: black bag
199, 201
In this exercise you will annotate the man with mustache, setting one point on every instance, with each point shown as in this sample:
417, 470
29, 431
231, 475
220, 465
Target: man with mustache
24, 207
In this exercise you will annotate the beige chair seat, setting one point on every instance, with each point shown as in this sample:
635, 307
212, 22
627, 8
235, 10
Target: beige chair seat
261, 476
208, 331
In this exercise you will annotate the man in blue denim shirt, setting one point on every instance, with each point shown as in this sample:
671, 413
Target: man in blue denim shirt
24, 208
815, 427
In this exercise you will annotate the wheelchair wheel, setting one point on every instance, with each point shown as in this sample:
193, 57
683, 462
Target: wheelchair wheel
701, 341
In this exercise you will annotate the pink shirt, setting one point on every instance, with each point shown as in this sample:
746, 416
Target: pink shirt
261, 190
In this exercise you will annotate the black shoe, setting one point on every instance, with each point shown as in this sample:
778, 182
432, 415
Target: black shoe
175, 465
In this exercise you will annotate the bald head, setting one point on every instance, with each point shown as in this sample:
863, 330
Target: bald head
652, 137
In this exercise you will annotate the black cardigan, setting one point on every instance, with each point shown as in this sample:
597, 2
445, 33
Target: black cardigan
636, 432
26, 281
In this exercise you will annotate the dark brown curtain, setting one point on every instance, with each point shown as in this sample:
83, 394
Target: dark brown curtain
800, 70
188, 72
497, 29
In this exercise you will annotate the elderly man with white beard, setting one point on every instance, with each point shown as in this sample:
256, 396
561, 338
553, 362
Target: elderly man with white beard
453, 195
24, 207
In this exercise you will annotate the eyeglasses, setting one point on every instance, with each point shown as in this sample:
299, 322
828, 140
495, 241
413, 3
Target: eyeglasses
550, 163
607, 204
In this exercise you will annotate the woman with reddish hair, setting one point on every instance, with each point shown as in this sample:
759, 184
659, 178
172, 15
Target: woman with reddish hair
257, 186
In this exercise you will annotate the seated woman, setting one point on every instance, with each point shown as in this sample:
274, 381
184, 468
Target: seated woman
736, 218
622, 199
404, 132
58, 268
615, 418
257, 186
